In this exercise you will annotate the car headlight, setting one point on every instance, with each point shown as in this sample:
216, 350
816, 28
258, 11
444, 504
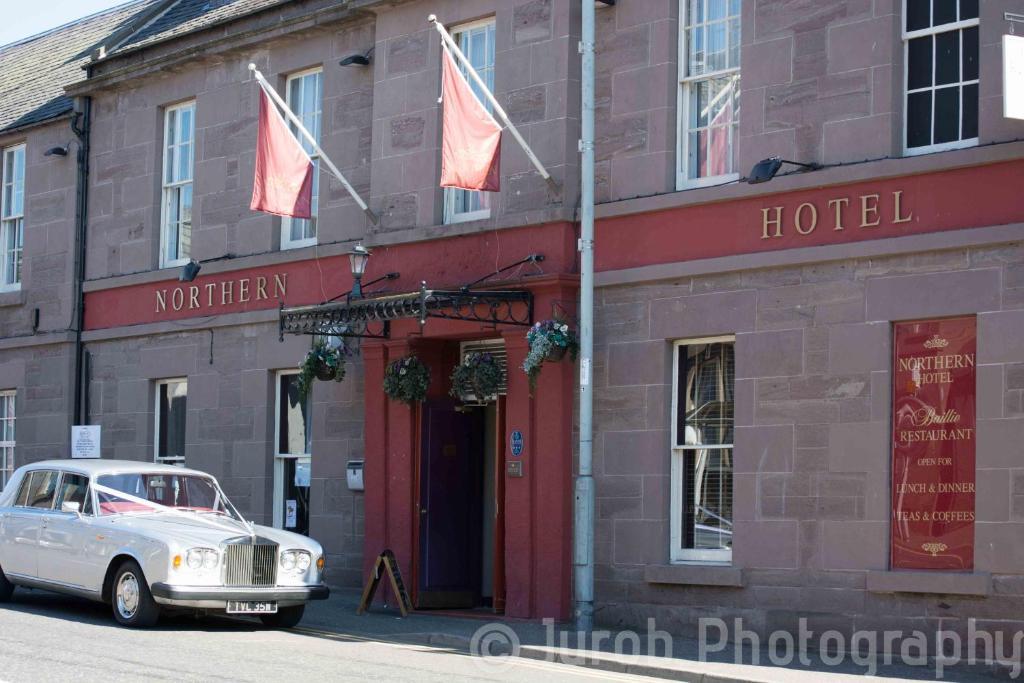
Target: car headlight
295, 560
202, 558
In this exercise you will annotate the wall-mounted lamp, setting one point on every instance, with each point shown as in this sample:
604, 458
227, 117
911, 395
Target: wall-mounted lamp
604, 3
357, 259
59, 151
360, 59
189, 271
766, 169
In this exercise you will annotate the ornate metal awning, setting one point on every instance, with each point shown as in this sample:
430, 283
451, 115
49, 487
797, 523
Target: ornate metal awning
370, 317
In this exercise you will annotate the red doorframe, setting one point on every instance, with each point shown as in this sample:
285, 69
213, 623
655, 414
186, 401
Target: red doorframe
537, 506
498, 556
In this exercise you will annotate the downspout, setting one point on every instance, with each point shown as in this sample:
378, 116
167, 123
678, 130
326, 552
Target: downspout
80, 125
583, 527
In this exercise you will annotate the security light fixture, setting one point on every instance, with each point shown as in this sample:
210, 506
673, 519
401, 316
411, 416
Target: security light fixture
604, 3
59, 151
189, 271
359, 59
766, 169
357, 259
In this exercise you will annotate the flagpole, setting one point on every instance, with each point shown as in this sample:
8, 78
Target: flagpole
311, 140
494, 102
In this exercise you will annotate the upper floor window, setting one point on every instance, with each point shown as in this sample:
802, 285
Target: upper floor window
12, 218
171, 410
7, 402
176, 217
304, 91
702, 438
709, 92
940, 39
476, 41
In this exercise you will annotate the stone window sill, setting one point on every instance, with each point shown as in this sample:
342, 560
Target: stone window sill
978, 583
15, 297
694, 575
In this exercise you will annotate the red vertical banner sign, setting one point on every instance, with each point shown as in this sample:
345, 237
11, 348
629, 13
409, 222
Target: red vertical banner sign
933, 470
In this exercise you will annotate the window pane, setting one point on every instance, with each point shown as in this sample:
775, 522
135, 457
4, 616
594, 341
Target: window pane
918, 14
707, 499
970, 105
185, 229
172, 411
919, 119
716, 46
970, 56
947, 58
294, 421
947, 115
712, 117
72, 490
919, 67
735, 39
705, 401
695, 40
42, 489
696, 11
943, 12
968, 9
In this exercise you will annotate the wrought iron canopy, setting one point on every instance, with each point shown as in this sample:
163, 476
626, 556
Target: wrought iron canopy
370, 317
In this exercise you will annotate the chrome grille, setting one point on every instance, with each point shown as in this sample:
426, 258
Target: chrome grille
250, 564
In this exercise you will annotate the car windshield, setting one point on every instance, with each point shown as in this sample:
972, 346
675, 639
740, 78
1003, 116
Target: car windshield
144, 492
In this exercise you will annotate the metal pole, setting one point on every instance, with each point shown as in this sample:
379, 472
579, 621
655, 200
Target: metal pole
494, 102
584, 523
312, 141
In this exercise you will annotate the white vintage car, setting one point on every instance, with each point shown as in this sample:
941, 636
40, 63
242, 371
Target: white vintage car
145, 537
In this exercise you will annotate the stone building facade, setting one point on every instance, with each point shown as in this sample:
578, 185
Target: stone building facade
800, 282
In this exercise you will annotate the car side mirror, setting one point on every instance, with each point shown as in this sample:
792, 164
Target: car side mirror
71, 506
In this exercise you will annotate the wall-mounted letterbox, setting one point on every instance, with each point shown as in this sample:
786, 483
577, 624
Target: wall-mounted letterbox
354, 474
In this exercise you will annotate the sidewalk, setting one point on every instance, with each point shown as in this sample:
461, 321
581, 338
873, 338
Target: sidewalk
336, 617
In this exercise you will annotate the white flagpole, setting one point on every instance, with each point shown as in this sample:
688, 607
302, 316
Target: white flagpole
309, 138
494, 102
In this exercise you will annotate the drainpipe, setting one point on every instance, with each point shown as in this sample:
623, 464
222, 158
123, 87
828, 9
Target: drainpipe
80, 125
584, 522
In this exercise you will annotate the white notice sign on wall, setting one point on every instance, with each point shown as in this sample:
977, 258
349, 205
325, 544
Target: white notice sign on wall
1013, 77
85, 441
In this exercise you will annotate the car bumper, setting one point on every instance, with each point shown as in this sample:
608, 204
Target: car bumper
215, 597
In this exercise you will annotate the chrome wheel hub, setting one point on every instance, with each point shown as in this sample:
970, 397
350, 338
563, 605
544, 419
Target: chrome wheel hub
128, 595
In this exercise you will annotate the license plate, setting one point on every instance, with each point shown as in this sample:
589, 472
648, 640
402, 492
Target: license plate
244, 607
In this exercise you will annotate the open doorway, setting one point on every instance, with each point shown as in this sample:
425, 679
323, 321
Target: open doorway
461, 507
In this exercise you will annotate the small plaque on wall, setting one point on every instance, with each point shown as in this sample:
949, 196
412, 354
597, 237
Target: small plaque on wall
933, 469
515, 468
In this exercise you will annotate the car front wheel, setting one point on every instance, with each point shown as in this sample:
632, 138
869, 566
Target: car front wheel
286, 617
130, 597
6, 588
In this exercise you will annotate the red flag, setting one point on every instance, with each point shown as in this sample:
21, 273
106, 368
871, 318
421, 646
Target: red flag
284, 172
471, 138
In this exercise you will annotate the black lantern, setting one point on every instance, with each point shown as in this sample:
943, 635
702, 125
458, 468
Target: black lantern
357, 258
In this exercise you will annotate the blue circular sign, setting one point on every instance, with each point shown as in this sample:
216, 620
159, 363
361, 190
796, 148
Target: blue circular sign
516, 442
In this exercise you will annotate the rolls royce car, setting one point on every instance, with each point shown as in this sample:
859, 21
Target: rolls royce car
147, 537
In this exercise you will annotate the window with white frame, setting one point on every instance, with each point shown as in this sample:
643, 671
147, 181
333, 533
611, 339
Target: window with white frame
7, 401
476, 41
304, 92
702, 438
940, 39
292, 455
709, 92
176, 212
12, 218
171, 410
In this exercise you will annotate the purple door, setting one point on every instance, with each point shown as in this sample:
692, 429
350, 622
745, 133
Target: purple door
451, 506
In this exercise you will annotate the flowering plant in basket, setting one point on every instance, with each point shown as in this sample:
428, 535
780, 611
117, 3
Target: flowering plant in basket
548, 340
406, 380
322, 362
478, 371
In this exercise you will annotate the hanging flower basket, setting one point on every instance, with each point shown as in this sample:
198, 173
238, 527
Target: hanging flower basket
322, 362
549, 340
479, 373
407, 380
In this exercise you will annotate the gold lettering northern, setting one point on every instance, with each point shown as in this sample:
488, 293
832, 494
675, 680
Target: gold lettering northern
213, 295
